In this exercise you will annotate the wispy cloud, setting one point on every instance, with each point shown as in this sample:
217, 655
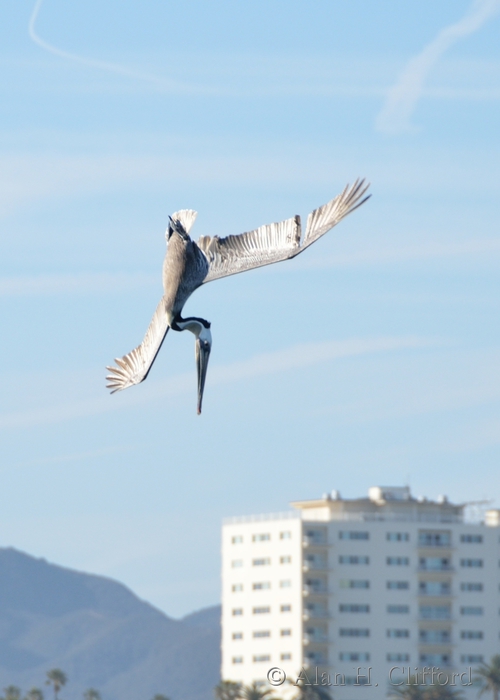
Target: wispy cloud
294, 357
156, 81
403, 97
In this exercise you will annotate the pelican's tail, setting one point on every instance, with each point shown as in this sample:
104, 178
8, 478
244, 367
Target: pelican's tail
186, 217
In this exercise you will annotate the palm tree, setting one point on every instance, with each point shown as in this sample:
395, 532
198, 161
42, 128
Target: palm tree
34, 694
436, 691
306, 691
12, 692
227, 690
159, 696
414, 690
408, 691
92, 694
57, 679
255, 692
487, 676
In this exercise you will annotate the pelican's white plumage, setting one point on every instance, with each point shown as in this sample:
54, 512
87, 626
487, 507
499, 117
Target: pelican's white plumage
188, 265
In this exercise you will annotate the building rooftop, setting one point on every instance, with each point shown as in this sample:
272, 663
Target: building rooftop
383, 503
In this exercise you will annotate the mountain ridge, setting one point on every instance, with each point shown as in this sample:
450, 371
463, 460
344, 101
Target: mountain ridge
100, 634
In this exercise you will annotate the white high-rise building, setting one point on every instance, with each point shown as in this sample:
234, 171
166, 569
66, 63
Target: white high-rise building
365, 589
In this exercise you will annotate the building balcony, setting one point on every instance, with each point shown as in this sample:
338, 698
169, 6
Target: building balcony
316, 615
435, 545
315, 590
435, 569
315, 566
315, 639
314, 542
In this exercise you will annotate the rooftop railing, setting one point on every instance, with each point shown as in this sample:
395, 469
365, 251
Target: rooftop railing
262, 517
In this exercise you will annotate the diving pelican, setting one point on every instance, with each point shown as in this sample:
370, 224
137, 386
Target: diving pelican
188, 265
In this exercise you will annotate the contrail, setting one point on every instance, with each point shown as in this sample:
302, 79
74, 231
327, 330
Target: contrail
402, 99
160, 83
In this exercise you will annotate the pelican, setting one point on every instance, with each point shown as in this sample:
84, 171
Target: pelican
188, 265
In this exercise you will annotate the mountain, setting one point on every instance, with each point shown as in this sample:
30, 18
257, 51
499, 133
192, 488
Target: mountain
101, 635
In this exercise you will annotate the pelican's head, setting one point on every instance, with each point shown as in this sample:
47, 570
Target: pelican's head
203, 345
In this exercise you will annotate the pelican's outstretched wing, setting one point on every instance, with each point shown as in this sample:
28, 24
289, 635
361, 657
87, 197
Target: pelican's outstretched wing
267, 244
275, 242
134, 367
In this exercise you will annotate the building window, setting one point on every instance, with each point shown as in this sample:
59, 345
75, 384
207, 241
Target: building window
398, 656
471, 586
285, 608
471, 563
434, 563
236, 563
285, 535
261, 657
398, 585
346, 583
471, 634
237, 611
398, 536
434, 588
237, 539
398, 634
427, 538
262, 633
237, 587
354, 608
434, 636
286, 583
261, 585
262, 537
261, 611
354, 535
398, 608
315, 561
315, 610
471, 539
237, 659
286, 633
397, 561
350, 559
316, 536
434, 659
471, 610
285, 560
317, 585
265, 561
472, 658
354, 656
286, 656
434, 612
237, 635
316, 657
353, 632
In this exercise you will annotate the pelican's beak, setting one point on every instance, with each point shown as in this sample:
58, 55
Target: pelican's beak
203, 347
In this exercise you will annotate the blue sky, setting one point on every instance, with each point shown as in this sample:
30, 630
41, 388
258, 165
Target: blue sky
371, 359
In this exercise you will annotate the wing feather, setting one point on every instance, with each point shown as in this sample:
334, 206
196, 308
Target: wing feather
321, 220
275, 242
268, 244
134, 367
